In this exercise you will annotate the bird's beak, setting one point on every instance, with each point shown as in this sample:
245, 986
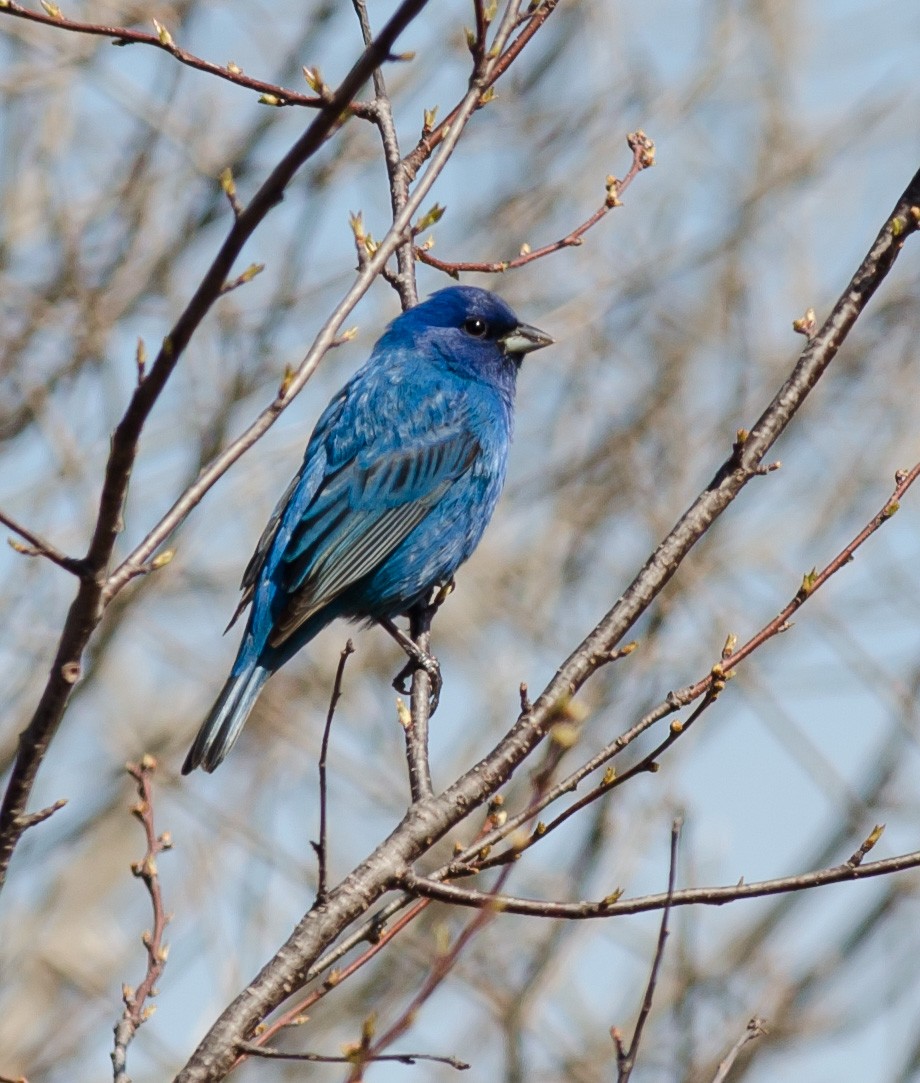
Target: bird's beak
524, 339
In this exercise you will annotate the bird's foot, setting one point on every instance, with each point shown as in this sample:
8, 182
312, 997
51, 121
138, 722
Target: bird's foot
430, 665
418, 659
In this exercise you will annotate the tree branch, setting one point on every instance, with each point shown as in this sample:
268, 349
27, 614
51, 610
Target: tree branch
643, 158
404, 280
272, 94
614, 905
39, 547
322, 847
626, 1058
136, 1012
756, 1028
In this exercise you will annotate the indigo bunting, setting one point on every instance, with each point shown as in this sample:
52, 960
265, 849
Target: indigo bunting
398, 483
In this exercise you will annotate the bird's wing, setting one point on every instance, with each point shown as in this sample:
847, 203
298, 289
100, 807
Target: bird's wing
360, 514
251, 574
296, 496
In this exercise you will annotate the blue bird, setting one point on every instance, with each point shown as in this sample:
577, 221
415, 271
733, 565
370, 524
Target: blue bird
398, 483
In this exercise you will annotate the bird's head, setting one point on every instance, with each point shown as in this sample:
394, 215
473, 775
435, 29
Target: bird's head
472, 329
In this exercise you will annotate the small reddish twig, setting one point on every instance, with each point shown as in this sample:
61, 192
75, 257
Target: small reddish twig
371, 1050
643, 157
811, 582
611, 781
272, 94
136, 1010
296, 1015
477, 42
626, 1058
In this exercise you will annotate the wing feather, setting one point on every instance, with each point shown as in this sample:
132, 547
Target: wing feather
363, 516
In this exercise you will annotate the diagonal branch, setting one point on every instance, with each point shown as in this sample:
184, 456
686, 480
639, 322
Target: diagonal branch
709, 686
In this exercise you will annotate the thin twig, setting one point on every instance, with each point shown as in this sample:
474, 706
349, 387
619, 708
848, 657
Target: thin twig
382, 115
295, 1015
614, 904
39, 547
136, 1011
756, 1028
272, 93
626, 1058
317, 1058
610, 781
31, 819
507, 54
322, 847
442, 967
643, 157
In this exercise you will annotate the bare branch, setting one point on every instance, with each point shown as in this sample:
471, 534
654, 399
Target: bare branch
756, 1028
39, 547
136, 1012
316, 1058
322, 847
295, 1015
162, 39
626, 1058
382, 116
615, 905
442, 966
643, 157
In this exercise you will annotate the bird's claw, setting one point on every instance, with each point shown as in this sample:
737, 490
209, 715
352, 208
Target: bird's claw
430, 665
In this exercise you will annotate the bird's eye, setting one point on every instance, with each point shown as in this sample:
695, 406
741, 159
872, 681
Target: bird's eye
476, 327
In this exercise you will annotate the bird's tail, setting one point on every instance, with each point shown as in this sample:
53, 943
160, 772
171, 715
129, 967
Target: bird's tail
226, 719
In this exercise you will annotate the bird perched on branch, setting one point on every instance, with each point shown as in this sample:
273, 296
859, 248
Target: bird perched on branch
398, 483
